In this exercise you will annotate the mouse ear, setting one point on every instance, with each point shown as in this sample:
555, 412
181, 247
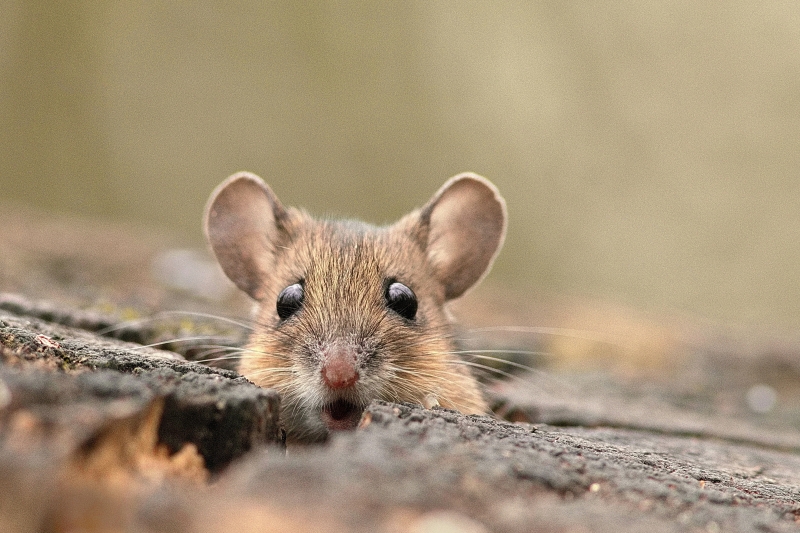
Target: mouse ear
466, 223
242, 224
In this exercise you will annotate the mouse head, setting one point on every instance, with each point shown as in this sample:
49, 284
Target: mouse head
349, 312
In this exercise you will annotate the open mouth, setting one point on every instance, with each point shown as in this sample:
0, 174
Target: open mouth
341, 415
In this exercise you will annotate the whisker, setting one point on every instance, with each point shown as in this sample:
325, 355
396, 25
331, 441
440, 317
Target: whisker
289, 369
402, 389
433, 378
501, 351
493, 370
211, 349
542, 374
388, 390
396, 379
215, 359
181, 339
410, 371
164, 314
560, 332
507, 362
246, 351
272, 370
430, 373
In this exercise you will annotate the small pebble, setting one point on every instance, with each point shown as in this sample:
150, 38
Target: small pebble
761, 398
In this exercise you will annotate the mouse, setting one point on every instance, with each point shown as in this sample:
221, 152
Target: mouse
347, 312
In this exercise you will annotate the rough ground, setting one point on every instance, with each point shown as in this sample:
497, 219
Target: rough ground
100, 434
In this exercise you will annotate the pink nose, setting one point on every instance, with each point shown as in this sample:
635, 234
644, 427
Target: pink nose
339, 367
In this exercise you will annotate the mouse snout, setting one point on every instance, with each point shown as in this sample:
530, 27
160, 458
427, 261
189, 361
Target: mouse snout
339, 368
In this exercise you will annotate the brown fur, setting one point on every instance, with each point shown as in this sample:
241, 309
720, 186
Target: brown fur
438, 251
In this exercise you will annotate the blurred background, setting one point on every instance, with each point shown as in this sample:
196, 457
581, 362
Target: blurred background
649, 152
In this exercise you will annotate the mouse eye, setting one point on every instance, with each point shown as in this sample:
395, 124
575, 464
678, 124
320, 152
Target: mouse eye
401, 300
290, 300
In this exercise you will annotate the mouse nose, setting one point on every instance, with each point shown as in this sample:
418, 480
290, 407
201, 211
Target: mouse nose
339, 367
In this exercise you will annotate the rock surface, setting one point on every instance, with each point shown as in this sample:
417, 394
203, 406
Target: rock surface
99, 433
55, 370
103, 425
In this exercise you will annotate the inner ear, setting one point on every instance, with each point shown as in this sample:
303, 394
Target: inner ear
243, 225
466, 222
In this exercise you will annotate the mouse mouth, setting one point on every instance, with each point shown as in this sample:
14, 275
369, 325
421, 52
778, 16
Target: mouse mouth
341, 415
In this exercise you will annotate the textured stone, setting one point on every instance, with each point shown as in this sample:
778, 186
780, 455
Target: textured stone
217, 410
102, 435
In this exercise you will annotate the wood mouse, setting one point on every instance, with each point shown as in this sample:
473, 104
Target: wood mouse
348, 312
